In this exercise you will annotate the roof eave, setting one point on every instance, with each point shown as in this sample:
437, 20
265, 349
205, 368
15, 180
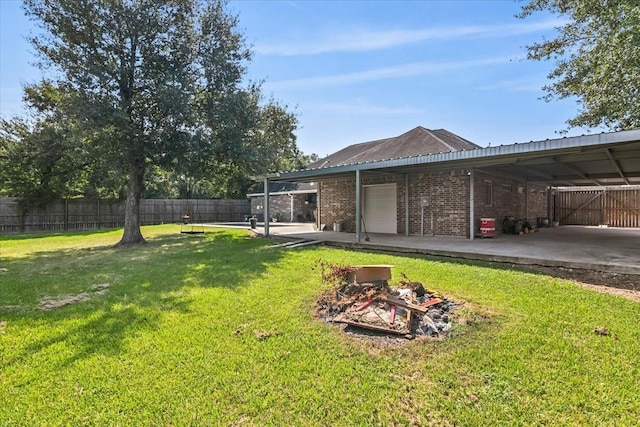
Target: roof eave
280, 193
560, 145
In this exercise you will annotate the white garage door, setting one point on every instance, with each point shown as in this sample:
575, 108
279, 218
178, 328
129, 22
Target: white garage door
379, 208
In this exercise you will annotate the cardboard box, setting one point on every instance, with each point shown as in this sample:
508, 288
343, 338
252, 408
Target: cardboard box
370, 273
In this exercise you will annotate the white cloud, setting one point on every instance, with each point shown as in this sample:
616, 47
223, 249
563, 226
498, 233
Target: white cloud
399, 71
359, 40
525, 84
363, 108
297, 5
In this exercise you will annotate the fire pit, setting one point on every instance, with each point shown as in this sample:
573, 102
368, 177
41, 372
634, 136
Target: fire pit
362, 298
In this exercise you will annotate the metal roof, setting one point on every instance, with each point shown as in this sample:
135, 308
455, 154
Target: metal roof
595, 159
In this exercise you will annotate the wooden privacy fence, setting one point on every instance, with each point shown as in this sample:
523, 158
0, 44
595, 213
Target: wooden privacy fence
612, 206
83, 214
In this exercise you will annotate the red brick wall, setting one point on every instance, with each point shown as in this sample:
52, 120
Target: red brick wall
538, 202
337, 203
449, 201
338, 200
449, 198
448, 191
511, 197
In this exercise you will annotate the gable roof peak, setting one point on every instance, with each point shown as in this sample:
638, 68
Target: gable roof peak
417, 129
418, 141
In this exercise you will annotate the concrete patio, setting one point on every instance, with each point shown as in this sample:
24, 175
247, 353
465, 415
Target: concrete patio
595, 248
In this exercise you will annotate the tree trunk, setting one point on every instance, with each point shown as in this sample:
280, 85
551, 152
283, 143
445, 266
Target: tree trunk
132, 234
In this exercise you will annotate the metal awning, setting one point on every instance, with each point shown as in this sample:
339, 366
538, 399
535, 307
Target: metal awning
600, 159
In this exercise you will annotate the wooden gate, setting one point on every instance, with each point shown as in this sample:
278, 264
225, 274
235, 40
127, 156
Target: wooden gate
611, 206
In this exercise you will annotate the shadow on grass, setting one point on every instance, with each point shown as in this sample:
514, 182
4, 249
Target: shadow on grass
147, 283
46, 234
103, 334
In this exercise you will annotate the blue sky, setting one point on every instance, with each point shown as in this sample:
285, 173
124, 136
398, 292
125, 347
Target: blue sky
356, 71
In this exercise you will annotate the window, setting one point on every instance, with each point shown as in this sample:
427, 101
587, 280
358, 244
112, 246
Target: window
488, 198
507, 188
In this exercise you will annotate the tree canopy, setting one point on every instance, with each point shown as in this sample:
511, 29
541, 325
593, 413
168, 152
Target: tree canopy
150, 94
45, 159
597, 59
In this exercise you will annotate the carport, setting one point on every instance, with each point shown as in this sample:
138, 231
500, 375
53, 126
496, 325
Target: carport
600, 159
615, 250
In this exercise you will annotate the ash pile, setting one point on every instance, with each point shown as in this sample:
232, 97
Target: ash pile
362, 298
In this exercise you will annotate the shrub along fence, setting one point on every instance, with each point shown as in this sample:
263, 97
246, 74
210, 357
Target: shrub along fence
84, 214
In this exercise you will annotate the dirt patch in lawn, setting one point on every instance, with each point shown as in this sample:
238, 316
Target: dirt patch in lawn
49, 303
620, 284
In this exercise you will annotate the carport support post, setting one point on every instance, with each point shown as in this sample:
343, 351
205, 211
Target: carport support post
406, 205
472, 218
291, 207
318, 205
358, 213
526, 200
266, 206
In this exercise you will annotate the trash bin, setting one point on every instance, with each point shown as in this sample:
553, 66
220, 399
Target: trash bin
337, 226
254, 222
542, 222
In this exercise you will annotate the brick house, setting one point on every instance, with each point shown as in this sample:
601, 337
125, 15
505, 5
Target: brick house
433, 182
289, 202
437, 201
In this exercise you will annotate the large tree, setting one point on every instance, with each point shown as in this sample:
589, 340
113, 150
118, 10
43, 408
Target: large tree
146, 76
597, 59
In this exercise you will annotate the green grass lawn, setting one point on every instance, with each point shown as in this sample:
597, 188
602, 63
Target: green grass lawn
218, 330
